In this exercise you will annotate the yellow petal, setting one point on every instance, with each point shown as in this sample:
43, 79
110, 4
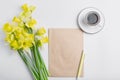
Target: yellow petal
44, 39
32, 8
22, 16
31, 23
9, 38
25, 7
15, 19
41, 31
15, 45
26, 44
7, 27
30, 37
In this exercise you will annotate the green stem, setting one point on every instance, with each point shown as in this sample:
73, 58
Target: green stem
46, 74
28, 64
44, 66
39, 63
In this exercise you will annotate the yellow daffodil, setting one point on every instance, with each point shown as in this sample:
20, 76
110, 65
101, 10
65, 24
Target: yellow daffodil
18, 31
27, 11
32, 8
42, 41
16, 19
15, 45
24, 15
20, 36
25, 7
31, 23
24, 44
9, 38
7, 27
41, 31
30, 37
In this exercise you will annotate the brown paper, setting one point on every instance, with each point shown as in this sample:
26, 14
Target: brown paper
65, 47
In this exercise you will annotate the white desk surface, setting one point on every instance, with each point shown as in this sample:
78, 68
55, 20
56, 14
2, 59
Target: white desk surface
102, 50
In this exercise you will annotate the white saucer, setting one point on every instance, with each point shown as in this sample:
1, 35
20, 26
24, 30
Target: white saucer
90, 28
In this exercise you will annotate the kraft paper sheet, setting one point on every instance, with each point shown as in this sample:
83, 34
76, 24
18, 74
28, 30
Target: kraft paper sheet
65, 47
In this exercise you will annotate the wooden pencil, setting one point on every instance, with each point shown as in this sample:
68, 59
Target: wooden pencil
81, 62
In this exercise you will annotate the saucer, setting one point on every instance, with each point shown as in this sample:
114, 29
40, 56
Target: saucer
91, 20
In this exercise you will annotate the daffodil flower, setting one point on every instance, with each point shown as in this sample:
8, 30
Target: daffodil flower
16, 19
27, 11
9, 38
14, 44
32, 8
25, 7
31, 23
42, 41
41, 31
7, 27
24, 15
24, 44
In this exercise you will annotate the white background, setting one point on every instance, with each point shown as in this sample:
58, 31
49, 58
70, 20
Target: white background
102, 50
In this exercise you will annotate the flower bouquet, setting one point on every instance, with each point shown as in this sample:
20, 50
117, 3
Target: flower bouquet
22, 36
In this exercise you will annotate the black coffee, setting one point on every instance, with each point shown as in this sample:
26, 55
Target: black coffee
92, 18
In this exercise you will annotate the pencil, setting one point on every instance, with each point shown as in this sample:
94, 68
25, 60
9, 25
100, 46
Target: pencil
81, 62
